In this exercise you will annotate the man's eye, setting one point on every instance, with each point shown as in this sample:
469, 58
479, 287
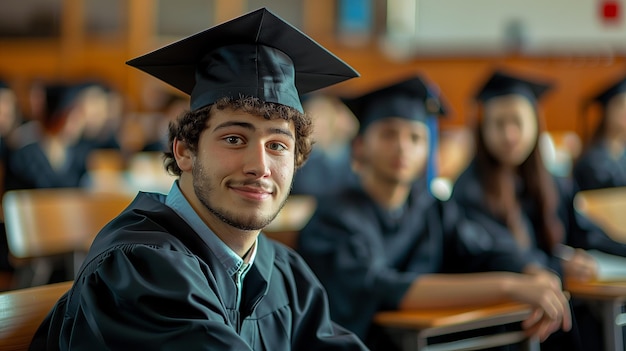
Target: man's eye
233, 140
277, 147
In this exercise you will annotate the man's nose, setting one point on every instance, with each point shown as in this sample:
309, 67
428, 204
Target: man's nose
257, 161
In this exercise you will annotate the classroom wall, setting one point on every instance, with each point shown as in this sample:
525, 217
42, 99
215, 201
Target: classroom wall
575, 79
577, 73
554, 26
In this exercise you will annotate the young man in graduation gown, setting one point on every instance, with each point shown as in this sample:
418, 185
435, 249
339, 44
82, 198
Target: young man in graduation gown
385, 243
190, 271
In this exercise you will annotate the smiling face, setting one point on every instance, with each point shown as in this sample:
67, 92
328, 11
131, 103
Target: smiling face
242, 171
510, 129
393, 150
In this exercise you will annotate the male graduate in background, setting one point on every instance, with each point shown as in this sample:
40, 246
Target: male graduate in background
387, 244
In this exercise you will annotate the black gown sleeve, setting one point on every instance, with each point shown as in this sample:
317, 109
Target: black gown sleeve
468, 194
313, 328
343, 249
145, 298
471, 248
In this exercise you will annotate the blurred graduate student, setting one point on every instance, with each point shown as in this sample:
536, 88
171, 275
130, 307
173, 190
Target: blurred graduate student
386, 243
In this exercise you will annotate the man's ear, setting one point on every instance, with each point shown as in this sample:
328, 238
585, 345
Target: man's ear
183, 156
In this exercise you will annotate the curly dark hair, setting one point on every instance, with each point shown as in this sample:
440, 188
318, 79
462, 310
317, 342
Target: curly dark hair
188, 127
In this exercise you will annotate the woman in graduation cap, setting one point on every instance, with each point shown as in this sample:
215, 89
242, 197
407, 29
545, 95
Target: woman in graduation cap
191, 270
603, 163
384, 243
508, 189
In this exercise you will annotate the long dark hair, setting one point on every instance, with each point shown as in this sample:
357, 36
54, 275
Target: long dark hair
500, 188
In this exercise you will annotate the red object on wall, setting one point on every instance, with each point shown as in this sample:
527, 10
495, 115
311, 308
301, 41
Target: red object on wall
610, 11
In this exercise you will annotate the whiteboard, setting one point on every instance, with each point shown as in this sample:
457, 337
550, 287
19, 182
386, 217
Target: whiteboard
544, 26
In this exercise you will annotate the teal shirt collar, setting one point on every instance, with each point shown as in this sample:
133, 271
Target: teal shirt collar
231, 261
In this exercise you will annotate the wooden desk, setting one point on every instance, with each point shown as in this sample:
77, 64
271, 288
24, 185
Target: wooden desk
413, 328
22, 311
612, 297
605, 207
43, 224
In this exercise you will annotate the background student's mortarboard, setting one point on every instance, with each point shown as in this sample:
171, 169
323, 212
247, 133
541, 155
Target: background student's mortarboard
603, 97
257, 54
59, 98
412, 98
502, 83
609, 92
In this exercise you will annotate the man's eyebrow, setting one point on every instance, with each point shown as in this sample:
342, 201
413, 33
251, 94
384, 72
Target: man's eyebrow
246, 125
282, 131
252, 128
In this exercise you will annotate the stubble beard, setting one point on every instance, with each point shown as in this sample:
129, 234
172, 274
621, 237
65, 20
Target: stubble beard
244, 220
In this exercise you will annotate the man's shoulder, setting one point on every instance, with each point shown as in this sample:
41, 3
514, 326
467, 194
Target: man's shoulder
283, 254
146, 221
288, 263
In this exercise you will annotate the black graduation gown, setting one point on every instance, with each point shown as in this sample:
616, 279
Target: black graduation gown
597, 169
367, 259
324, 174
29, 168
580, 232
149, 282
468, 192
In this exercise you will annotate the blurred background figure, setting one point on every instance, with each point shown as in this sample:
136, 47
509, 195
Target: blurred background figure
9, 111
145, 128
328, 169
9, 119
385, 243
509, 190
103, 109
157, 123
603, 163
56, 158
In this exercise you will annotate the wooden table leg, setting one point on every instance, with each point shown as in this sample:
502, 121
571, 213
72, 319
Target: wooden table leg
613, 338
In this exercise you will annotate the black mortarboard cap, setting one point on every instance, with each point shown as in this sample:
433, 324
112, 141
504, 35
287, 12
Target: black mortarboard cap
257, 54
411, 99
501, 83
608, 93
59, 97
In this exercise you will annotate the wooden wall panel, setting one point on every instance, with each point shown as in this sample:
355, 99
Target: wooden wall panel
75, 55
575, 79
